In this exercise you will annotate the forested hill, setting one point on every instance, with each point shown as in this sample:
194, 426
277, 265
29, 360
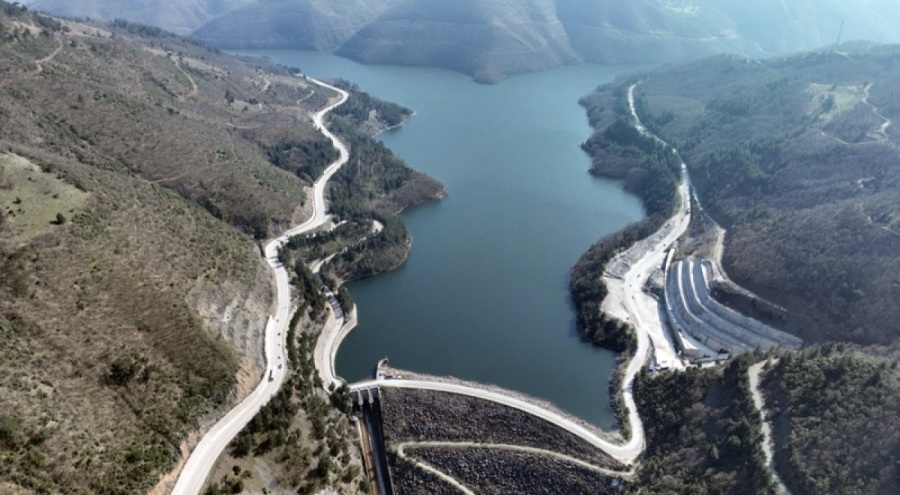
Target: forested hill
798, 158
834, 415
492, 38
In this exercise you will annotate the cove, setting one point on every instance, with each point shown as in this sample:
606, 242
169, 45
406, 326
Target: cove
484, 295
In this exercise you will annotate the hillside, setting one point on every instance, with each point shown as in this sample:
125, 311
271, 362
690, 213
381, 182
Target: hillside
490, 39
178, 16
795, 157
485, 39
704, 439
305, 25
835, 415
138, 170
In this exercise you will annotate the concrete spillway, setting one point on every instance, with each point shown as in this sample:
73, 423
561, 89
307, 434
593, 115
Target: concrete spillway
701, 273
370, 409
691, 309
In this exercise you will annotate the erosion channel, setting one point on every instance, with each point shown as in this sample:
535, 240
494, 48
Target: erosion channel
483, 295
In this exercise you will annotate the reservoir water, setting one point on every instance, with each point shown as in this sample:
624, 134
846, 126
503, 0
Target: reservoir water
484, 294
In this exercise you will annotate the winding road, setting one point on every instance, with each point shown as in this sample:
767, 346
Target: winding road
634, 280
204, 456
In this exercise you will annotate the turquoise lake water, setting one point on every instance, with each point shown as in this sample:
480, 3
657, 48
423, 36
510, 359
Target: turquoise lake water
484, 295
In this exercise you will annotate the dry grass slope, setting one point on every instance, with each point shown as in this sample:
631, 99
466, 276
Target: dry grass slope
124, 321
34, 200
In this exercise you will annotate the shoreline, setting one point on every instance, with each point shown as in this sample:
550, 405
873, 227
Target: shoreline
638, 268
334, 332
629, 444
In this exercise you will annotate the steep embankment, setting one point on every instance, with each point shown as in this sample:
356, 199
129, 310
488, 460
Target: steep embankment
201, 461
133, 313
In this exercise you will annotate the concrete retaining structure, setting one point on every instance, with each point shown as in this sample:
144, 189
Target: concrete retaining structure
691, 309
703, 270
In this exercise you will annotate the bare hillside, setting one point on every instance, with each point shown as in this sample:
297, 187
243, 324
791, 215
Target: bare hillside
136, 168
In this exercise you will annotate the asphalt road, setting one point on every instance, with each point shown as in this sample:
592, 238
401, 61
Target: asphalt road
203, 458
634, 280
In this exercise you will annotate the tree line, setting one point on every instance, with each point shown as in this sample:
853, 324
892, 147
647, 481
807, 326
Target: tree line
651, 172
360, 104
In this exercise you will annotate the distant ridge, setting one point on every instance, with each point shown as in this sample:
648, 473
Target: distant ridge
490, 39
178, 16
